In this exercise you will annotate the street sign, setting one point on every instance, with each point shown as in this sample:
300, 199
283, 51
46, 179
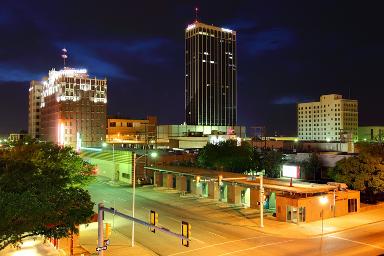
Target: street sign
103, 248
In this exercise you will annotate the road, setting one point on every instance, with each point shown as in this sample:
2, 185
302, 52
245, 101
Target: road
221, 230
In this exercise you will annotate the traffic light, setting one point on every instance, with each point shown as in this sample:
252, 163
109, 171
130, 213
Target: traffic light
153, 219
108, 230
185, 232
220, 179
197, 179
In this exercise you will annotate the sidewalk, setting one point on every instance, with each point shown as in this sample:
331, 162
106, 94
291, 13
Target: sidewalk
120, 244
313, 229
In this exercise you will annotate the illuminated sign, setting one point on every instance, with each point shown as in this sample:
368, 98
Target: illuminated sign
192, 26
291, 171
226, 30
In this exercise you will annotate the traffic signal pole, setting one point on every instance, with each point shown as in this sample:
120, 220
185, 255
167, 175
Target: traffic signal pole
103, 209
100, 228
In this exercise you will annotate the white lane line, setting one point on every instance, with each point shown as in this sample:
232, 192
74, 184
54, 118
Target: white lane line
173, 219
213, 245
255, 247
195, 239
215, 234
357, 242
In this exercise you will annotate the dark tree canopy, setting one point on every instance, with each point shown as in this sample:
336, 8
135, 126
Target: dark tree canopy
228, 155
271, 161
312, 167
364, 172
41, 192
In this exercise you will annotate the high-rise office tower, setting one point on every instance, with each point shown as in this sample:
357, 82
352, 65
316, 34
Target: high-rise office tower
330, 119
35, 90
73, 108
210, 75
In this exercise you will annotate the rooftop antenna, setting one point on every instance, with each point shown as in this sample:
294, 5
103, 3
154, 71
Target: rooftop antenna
64, 55
196, 14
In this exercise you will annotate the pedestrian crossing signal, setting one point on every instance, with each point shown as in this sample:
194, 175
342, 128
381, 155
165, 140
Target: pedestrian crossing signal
185, 232
153, 219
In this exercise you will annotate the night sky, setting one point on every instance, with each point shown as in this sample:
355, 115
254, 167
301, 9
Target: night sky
288, 51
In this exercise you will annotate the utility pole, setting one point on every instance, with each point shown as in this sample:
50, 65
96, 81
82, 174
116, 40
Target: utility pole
133, 198
100, 230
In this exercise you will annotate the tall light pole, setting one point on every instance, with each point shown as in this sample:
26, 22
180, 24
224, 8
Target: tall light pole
153, 155
323, 201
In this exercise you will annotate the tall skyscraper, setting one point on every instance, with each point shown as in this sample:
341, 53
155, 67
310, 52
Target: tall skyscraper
73, 108
330, 119
35, 90
210, 75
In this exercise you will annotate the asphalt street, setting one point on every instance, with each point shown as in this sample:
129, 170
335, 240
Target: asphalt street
218, 229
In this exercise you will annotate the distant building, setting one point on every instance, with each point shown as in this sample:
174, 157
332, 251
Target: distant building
132, 131
35, 92
196, 136
330, 119
13, 137
210, 75
73, 108
371, 133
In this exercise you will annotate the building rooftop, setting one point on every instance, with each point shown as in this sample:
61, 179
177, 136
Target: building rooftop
282, 185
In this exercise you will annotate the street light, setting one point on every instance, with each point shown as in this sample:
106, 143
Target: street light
323, 201
153, 155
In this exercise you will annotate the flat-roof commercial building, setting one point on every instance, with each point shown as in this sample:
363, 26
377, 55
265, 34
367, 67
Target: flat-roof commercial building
131, 131
301, 202
186, 136
210, 75
330, 119
73, 108
371, 133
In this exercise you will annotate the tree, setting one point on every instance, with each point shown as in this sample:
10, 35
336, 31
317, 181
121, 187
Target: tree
41, 192
271, 161
364, 172
311, 166
226, 155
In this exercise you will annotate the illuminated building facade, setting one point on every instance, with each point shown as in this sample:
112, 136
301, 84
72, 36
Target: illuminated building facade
330, 119
73, 108
35, 91
210, 75
132, 131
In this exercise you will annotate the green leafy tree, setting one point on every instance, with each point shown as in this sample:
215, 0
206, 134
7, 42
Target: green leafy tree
271, 161
364, 172
311, 167
41, 192
226, 155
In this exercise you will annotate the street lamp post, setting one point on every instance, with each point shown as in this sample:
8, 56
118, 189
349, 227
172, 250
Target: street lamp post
261, 198
153, 154
323, 201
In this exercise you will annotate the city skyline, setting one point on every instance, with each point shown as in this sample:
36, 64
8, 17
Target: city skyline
287, 54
